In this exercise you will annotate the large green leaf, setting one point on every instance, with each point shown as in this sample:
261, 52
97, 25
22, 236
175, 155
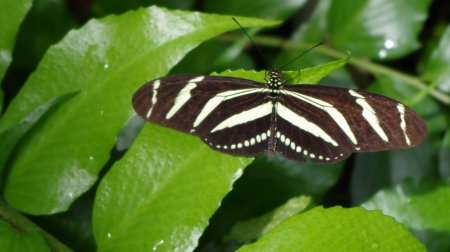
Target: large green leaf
107, 60
422, 206
162, 193
379, 29
12, 12
337, 229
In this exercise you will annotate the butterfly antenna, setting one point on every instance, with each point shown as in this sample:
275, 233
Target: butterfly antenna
252, 42
300, 55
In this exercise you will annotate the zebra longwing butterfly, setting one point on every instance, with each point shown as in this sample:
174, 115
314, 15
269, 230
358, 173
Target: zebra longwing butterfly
248, 118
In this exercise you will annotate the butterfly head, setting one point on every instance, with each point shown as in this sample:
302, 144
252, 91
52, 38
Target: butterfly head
274, 81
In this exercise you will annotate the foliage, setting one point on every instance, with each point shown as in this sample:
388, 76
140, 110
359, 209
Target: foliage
65, 125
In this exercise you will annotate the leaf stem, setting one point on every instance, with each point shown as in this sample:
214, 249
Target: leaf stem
21, 223
372, 67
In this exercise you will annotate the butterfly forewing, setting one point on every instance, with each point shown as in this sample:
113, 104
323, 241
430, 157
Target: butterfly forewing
182, 102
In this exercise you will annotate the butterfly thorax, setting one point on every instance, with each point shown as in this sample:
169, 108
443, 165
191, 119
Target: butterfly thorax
274, 83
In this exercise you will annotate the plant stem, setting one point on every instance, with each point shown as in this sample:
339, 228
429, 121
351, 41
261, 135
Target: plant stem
22, 224
374, 68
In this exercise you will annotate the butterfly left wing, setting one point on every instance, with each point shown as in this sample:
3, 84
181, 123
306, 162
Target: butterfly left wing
218, 109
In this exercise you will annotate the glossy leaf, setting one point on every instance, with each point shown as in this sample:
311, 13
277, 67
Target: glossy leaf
12, 13
421, 205
353, 229
61, 158
374, 28
161, 195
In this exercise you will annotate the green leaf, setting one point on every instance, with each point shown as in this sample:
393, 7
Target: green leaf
437, 68
421, 205
12, 12
310, 75
162, 193
353, 229
373, 171
338, 77
268, 183
12, 239
249, 230
314, 74
379, 29
10, 137
108, 59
